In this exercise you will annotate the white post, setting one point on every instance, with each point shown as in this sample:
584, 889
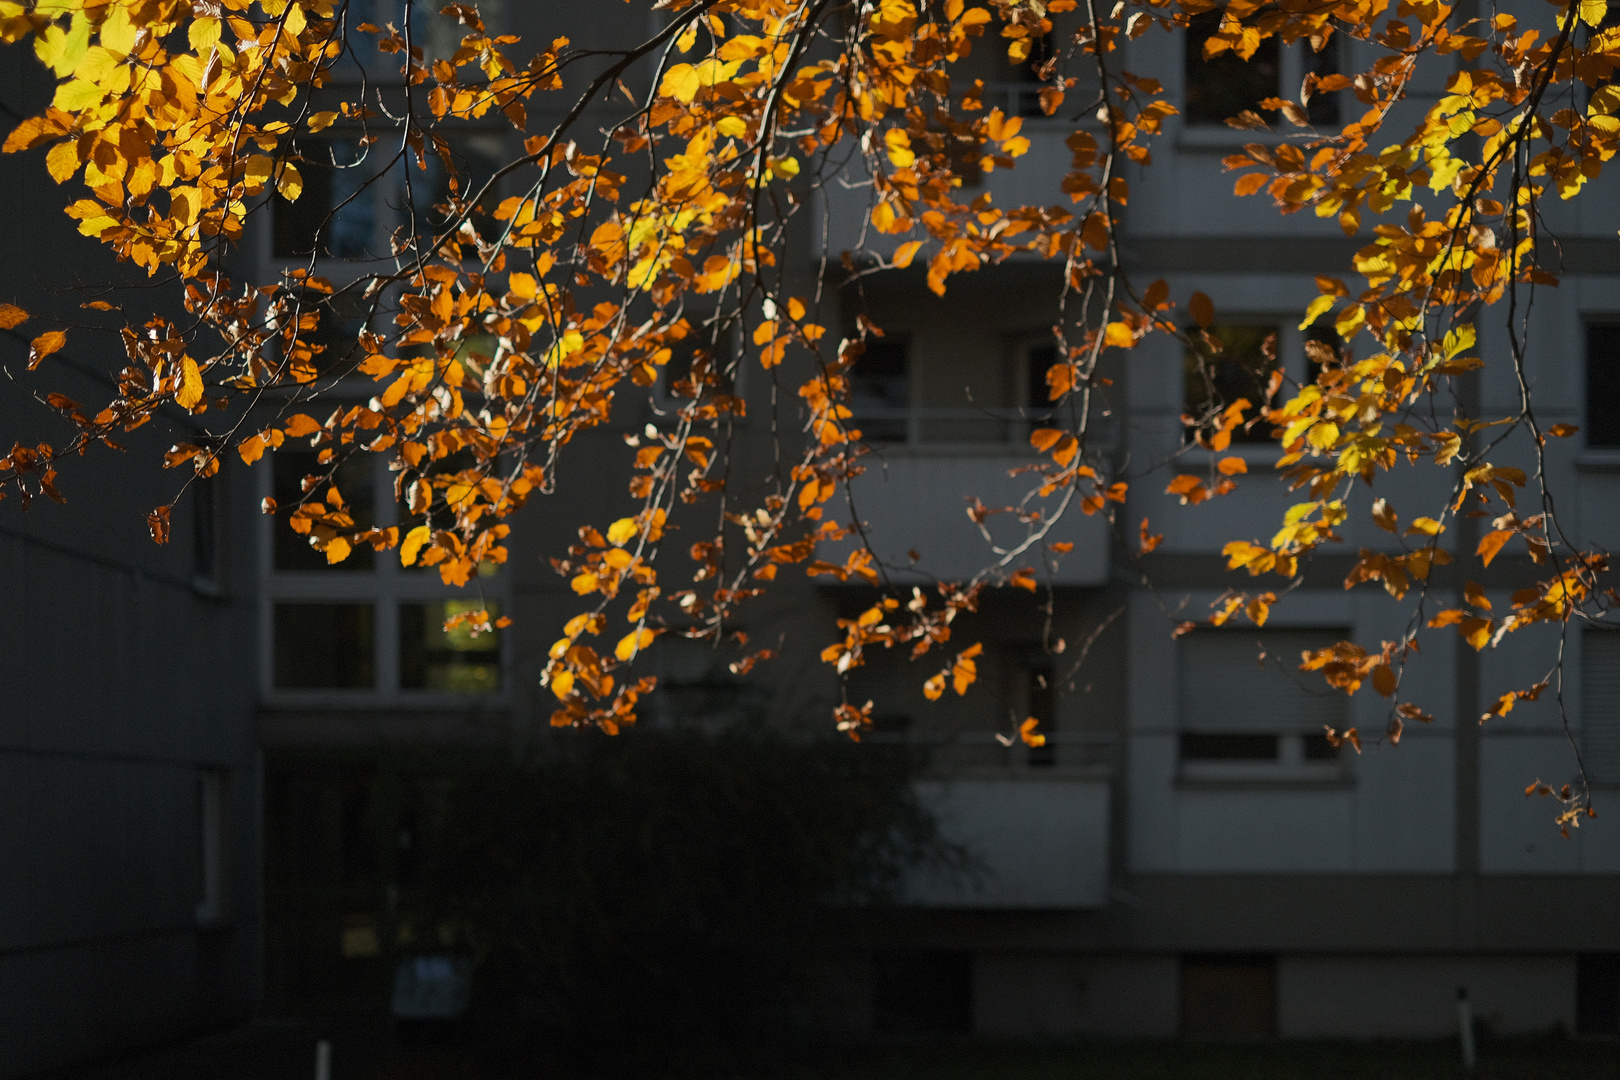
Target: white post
1465, 1028
323, 1060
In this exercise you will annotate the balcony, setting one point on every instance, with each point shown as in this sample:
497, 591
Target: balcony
914, 500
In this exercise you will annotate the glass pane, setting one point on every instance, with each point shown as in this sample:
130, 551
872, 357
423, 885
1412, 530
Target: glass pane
1241, 368
453, 662
880, 390
354, 483
336, 214
1224, 86
1202, 747
324, 647
1043, 707
1323, 109
1040, 359
1602, 384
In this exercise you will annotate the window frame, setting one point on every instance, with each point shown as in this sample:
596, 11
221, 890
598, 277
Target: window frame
1292, 763
1292, 66
1295, 367
387, 586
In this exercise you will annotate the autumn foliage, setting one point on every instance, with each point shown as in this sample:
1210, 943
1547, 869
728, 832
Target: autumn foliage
520, 307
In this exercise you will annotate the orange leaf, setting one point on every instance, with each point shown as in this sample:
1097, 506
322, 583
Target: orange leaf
1492, 543
1023, 579
1202, 310
1043, 439
1232, 466
11, 315
48, 342
302, 424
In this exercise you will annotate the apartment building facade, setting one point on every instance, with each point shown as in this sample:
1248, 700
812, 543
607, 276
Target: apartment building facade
129, 757
1188, 853
1185, 855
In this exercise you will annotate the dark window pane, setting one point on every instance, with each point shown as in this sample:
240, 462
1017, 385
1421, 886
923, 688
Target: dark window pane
1228, 995
1240, 368
923, 993
475, 160
1597, 994
1323, 109
1603, 384
324, 647
453, 662
329, 329
1225, 85
336, 213
1043, 707
880, 390
354, 484
205, 525
1321, 333
1198, 746
1317, 748
694, 368
1040, 359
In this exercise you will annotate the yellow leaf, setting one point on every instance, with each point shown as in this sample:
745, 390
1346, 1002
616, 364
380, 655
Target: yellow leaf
622, 531
1118, 336
203, 33
634, 642
562, 683
906, 252
1425, 526
336, 550
322, 120
412, 546
682, 83
290, 183
1593, 11
190, 391
899, 147
63, 161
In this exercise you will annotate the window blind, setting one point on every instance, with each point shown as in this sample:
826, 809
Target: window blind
1600, 704
1225, 686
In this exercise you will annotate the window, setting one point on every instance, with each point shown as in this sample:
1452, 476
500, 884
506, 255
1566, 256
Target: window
1230, 363
880, 389
336, 213
367, 629
1600, 705
212, 806
923, 992
1225, 85
1228, 995
1042, 698
698, 367
1038, 360
1247, 712
1597, 994
456, 661
1239, 360
1602, 384
207, 493
322, 646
